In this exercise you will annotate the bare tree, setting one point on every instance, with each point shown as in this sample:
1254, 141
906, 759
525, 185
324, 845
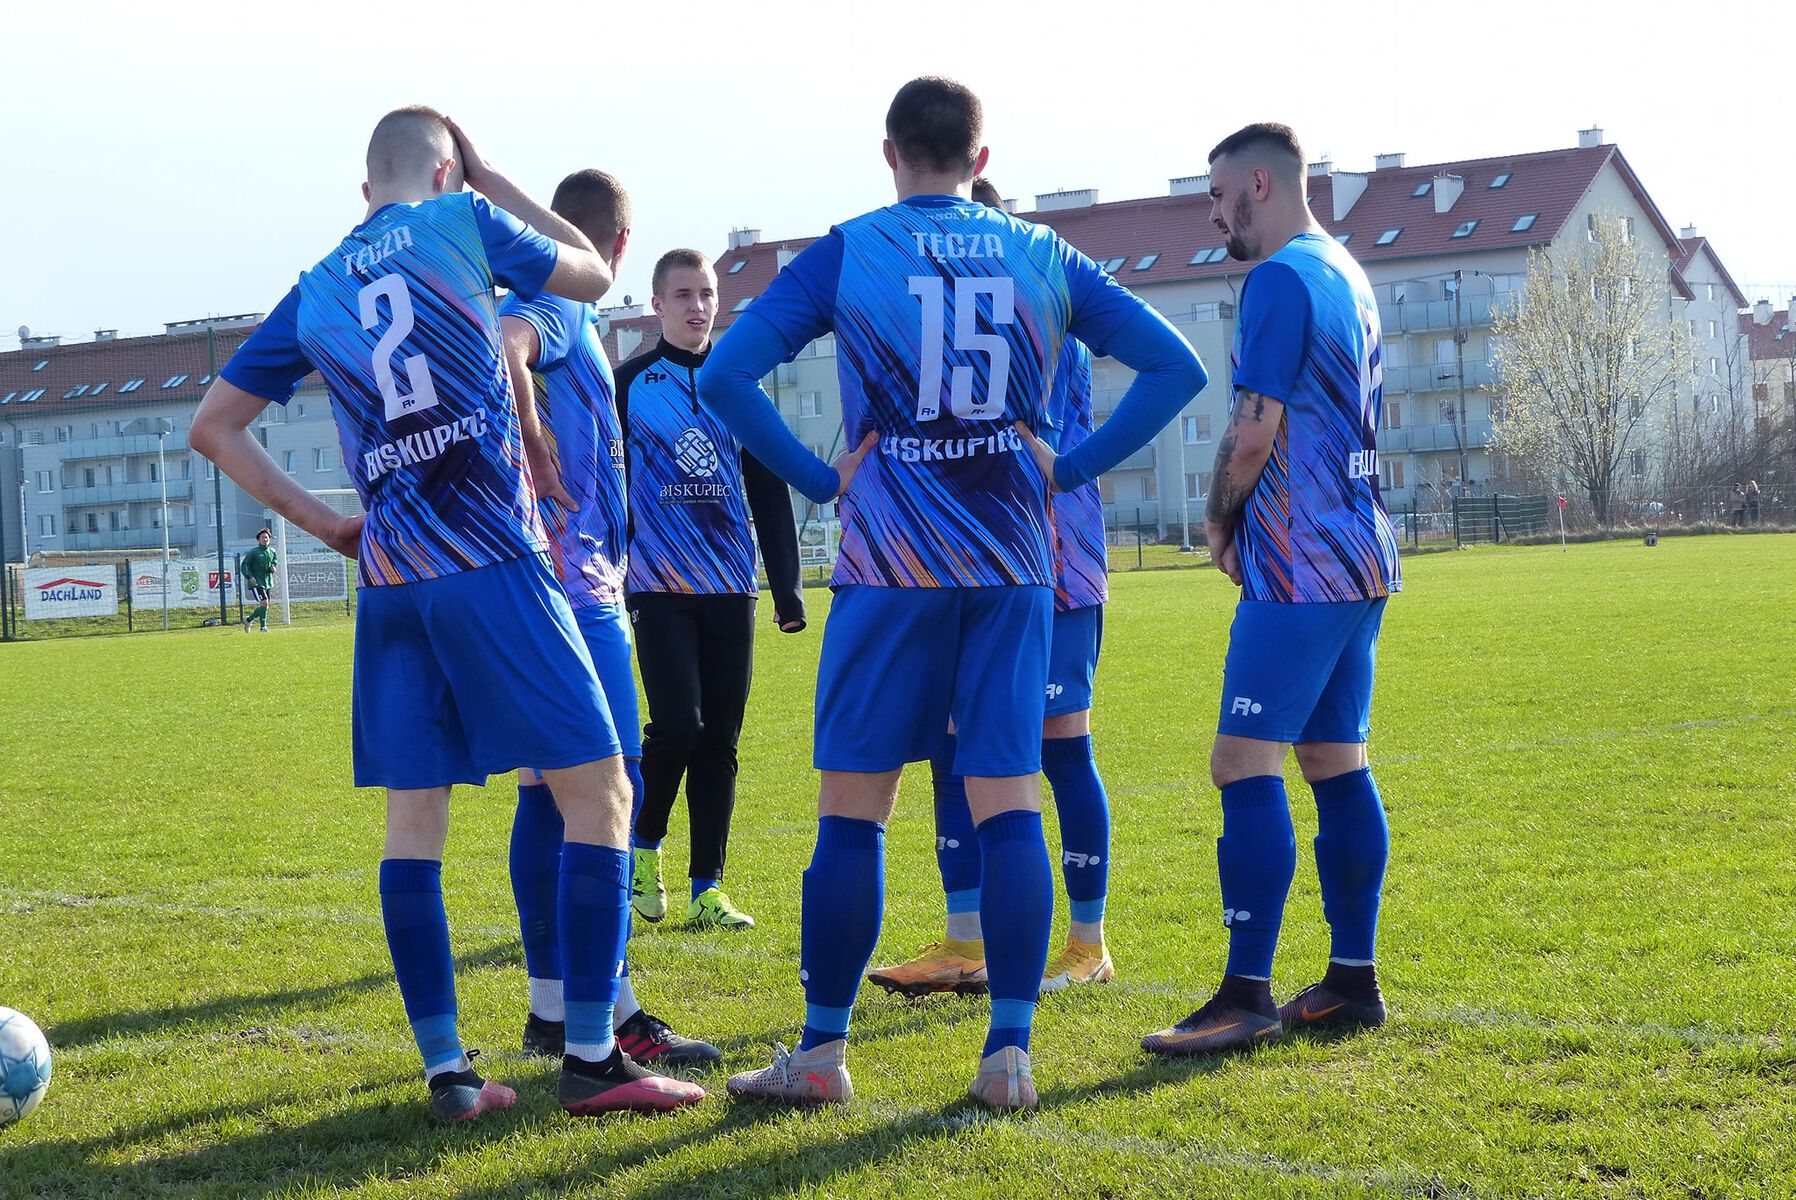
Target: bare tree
1587, 354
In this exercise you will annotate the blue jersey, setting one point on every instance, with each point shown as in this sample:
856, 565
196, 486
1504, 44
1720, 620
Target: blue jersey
1315, 527
1081, 563
689, 513
576, 401
949, 319
402, 322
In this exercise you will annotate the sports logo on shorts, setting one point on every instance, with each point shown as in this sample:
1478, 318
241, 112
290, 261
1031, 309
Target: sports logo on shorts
1055, 690
695, 453
1243, 706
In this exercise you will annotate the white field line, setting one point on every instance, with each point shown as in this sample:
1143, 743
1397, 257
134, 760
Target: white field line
17, 900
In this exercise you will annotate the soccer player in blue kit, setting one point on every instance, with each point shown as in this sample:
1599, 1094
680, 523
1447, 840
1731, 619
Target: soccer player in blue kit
567, 407
1295, 518
462, 626
1081, 588
949, 319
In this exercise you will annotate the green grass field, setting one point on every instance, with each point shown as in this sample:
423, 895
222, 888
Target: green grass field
1588, 935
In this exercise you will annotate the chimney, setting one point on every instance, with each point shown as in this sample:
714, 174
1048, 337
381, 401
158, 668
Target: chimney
1008, 206
1387, 162
1189, 185
1079, 198
785, 255
201, 324
1589, 138
1447, 189
41, 342
1323, 167
1349, 187
105, 335
1761, 313
1688, 234
744, 237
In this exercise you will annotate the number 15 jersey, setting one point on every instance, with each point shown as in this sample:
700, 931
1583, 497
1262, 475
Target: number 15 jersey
949, 318
402, 322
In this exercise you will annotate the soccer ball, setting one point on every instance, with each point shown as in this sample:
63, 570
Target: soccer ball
24, 1065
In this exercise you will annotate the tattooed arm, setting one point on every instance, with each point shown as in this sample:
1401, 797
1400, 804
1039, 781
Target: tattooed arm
1240, 457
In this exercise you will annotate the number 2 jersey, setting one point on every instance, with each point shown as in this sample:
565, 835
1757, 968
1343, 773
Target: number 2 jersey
402, 322
950, 319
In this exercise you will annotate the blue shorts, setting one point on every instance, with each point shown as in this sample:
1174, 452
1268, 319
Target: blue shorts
606, 629
1073, 659
1301, 672
470, 675
899, 663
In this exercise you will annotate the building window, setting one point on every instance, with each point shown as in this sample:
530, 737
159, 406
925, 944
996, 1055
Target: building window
289, 461
1210, 254
46, 482
87, 476
810, 404
1501, 180
1147, 260
320, 459
1106, 489
742, 304
31, 396
1714, 329
130, 385
1715, 367
1343, 238
1197, 429
65, 433
95, 390
299, 411
32, 437
93, 522
211, 469
1150, 486
46, 525
174, 381
41, 364
1111, 266
80, 389
1422, 189
737, 266
1392, 470
112, 521
1393, 414
1465, 228
1637, 463
1389, 236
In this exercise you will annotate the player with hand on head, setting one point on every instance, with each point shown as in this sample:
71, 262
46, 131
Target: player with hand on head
949, 319
1295, 518
567, 409
1081, 587
692, 588
462, 625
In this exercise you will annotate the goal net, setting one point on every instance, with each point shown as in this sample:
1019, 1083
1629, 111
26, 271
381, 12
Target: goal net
310, 571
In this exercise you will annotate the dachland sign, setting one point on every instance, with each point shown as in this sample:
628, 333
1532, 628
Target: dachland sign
52, 592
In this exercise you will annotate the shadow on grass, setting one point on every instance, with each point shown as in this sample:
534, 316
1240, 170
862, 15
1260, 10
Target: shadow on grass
250, 1007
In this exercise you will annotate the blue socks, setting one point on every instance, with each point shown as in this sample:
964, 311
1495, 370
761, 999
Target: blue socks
700, 886
1257, 857
956, 849
1084, 810
411, 908
1353, 844
536, 833
594, 907
844, 902
1017, 910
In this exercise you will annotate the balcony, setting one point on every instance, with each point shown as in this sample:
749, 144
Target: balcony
124, 493
1141, 460
1430, 439
1438, 377
147, 540
1424, 316
119, 447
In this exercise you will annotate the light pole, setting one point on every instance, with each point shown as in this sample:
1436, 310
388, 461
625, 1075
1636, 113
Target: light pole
163, 429
1184, 492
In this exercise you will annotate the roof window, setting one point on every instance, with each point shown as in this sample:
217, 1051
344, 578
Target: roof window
1422, 188
174, 381
130, 385
1147, 260
737, 266
1501, 180
1465, 228
1389, 236
1524, 223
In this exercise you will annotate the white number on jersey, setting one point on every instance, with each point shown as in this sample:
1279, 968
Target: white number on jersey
423, 393
931, 291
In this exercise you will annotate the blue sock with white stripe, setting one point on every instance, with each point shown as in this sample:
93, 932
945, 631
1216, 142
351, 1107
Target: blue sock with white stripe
1353, 844
1018, 909
844, 902
956, 849
594, 906
1256, 857
411, 909
536, 832
1084, 809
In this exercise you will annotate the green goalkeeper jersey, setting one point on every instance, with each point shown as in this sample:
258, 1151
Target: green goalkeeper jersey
258, 566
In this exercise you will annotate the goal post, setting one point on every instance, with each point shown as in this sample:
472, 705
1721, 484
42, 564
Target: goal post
296, 548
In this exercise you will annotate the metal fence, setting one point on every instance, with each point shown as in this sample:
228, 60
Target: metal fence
139, 595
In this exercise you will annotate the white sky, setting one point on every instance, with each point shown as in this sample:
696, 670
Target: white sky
168, 161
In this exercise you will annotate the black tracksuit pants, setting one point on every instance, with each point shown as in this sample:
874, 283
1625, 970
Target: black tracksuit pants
696, 655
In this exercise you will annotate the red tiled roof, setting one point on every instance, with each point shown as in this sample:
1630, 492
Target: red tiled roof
1550, 184
1774, 341
154, 359
1690, 248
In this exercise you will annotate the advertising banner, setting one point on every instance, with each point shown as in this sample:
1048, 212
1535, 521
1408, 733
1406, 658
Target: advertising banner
316, 577
817, 543
192, 583
52, 592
